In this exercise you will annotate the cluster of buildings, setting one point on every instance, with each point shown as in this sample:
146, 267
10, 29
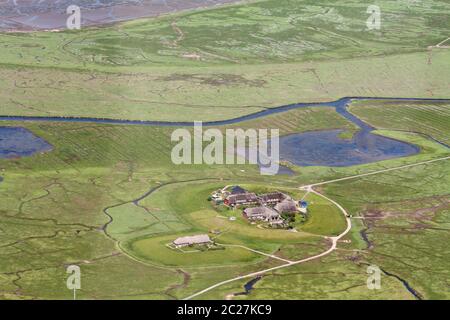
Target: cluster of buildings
269, 207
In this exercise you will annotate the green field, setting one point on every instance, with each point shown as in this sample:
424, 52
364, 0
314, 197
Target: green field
53, 215
156, 250
109, 199
324, 217
270, 31
432, 119
246, 58
406, 219
191, 213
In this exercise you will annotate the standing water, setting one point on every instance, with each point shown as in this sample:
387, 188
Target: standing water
18, 142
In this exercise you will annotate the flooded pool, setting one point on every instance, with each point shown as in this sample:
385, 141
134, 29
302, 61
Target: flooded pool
319, 148
18, 142
326, 148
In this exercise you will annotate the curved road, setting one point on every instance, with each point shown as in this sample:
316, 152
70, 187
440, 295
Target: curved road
340, 106
334, 240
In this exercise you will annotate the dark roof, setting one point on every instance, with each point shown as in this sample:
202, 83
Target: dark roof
243, 197
278, 196
237, 190
286, 206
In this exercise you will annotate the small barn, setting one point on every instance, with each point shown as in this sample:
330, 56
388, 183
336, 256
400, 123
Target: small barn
241, 199
191, 240
272, 198
262, 213
286, 206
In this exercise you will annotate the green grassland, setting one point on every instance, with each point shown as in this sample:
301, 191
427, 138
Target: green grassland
131, 147
324, 217
251, 57
155, 249
202, 94
333, 277
407, 219
141, 148
53, 214
407, 222
108, 198
190, 212
269, 31
432, 119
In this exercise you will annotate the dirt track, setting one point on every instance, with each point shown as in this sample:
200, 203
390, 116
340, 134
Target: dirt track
334, 240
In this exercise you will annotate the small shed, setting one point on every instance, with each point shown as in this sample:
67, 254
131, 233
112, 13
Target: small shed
286, 206
191, 240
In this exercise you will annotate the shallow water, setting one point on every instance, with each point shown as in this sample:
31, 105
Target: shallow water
19, 142
326, 148
320, 148
248, 287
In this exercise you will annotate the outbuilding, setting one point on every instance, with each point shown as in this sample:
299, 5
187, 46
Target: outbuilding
191, 240
262, 213
241, 199
286, 206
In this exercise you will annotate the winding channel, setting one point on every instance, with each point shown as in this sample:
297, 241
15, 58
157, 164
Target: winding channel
340, 106
310, 148
363, 136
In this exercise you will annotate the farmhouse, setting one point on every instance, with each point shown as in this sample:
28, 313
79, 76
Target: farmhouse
191, 240
262, 213
241, 199
286, 206
268, 207
238, 190
272, 198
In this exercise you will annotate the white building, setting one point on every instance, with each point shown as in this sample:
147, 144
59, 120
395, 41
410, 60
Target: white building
191, 240
262, 213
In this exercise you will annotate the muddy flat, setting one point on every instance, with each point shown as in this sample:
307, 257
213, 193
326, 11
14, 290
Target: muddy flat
29, 15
